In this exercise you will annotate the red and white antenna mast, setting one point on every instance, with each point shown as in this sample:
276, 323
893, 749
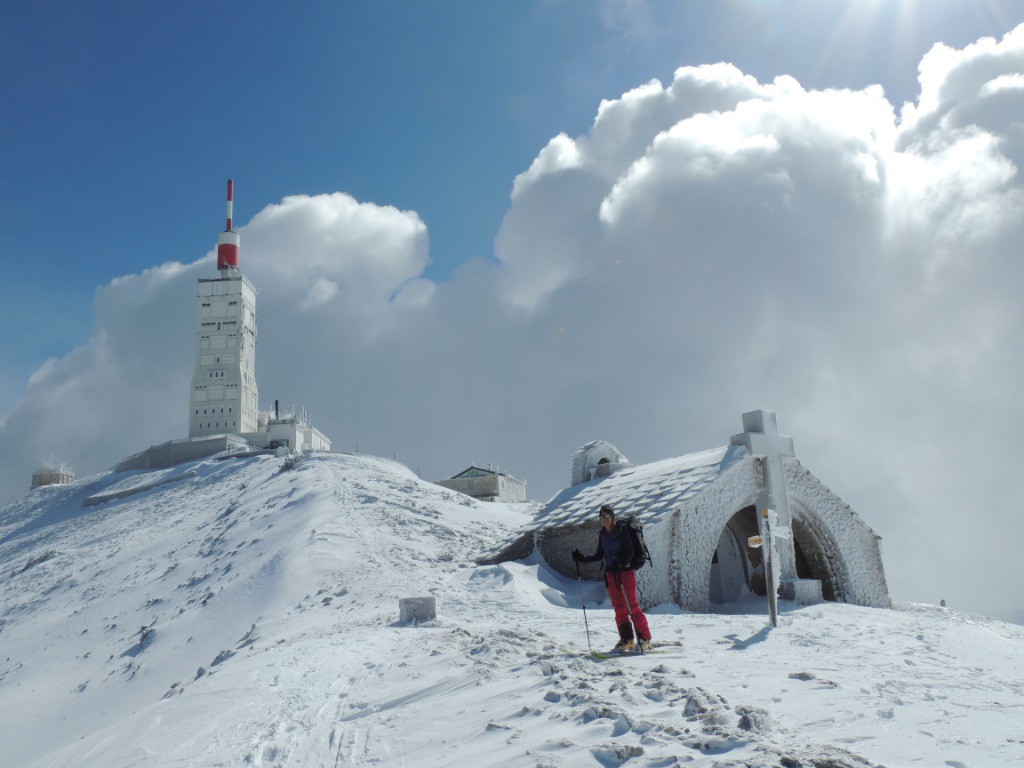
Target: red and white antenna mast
228, 241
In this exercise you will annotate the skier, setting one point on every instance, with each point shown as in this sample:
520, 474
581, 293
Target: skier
615, 550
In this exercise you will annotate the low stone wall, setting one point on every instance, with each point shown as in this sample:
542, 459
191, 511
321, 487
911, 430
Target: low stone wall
519, 549
653, 580
176, 452
556, 546
855, 570
102, 498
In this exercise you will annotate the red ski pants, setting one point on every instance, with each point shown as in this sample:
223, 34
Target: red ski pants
622, 589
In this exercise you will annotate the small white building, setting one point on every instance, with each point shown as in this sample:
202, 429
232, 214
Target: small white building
294, 431
487, 485
700, 510
52, 474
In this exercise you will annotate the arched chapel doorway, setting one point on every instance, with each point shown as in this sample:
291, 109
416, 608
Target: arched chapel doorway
737, 570
817, 555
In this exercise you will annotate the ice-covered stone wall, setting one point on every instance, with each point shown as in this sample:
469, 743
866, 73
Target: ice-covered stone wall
699, 525
654, 581
827, 528
556, 546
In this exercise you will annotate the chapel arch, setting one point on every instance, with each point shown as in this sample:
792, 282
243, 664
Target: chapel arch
736, 569
817, 554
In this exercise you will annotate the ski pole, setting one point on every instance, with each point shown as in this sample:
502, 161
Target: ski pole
583, 603
622, 589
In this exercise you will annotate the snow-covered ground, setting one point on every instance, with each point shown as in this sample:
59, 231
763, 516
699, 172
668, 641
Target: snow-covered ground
235, 613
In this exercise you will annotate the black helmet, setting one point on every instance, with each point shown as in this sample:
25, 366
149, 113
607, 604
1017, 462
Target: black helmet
607, 511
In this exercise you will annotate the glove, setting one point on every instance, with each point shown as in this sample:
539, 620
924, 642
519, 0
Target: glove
577, 555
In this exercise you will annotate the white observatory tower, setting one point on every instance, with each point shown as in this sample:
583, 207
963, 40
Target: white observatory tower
224, 397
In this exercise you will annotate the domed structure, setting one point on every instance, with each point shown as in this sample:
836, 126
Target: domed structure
596, 459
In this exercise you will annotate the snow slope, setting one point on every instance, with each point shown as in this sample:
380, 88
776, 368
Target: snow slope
230, 613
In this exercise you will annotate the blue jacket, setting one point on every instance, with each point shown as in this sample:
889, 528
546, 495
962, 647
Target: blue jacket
614, 549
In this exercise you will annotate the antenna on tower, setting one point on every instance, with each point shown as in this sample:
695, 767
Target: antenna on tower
228, 243
231, 200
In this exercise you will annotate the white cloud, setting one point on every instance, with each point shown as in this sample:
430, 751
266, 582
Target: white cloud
559, 154
1014, 82
708, 247
323, 291
965, 88
304, 245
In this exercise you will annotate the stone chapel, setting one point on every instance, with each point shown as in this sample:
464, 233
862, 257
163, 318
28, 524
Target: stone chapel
699, 512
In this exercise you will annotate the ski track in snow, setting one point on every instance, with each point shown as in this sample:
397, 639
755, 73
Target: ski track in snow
228, 613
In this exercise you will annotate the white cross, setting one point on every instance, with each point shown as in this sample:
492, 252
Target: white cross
761, 435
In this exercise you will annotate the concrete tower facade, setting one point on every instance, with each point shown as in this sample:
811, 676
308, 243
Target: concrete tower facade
224, 397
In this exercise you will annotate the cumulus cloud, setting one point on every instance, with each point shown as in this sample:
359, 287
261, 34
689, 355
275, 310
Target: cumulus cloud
332, 248
708, 247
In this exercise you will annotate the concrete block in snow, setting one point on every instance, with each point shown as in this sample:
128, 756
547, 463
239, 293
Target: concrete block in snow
416, 609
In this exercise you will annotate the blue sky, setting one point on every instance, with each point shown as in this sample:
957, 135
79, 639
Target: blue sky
483, 234
121, 120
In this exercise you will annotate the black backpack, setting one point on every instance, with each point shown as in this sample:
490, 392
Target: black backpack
635, 529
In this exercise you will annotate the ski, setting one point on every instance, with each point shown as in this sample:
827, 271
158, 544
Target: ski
605, 655
656, 647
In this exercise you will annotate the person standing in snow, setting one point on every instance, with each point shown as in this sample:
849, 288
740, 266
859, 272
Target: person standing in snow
615, 550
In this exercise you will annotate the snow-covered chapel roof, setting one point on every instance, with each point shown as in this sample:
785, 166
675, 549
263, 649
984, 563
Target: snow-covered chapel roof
649, 490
